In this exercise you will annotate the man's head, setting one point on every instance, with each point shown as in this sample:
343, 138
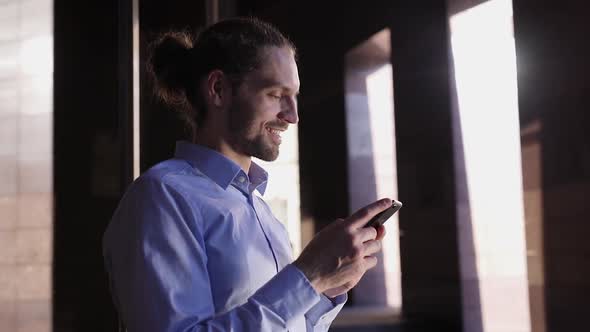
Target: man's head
237, 80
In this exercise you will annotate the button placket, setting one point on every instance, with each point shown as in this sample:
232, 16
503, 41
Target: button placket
264, 231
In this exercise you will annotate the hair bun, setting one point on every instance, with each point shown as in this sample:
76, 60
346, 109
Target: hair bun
169, 64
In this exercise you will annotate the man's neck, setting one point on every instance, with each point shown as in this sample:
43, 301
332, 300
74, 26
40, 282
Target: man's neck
215, 142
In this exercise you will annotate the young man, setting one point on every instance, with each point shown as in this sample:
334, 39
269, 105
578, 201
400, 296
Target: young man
191, 247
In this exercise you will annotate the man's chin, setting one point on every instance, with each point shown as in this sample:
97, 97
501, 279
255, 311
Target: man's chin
268, 156
268, 153
260, 148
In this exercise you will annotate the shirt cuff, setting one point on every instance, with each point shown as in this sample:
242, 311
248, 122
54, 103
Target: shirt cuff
289, 294
326, 309
338, 300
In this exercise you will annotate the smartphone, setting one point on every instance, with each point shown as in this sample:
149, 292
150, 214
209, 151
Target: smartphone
382, 216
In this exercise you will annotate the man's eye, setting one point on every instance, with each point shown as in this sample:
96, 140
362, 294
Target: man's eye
275, 96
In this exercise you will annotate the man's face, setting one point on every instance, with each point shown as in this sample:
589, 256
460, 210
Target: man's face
264, 105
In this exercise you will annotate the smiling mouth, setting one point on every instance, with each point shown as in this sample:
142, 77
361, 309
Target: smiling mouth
275, 134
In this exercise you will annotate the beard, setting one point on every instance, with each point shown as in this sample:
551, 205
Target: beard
244, 138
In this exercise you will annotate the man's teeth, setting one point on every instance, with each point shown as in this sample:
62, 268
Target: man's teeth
274, 131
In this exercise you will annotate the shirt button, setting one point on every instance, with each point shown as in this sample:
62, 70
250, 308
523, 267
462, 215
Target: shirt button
241, 179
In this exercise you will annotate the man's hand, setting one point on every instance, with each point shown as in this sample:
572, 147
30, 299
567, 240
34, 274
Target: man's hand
338, 256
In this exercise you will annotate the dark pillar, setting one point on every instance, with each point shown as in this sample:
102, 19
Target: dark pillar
87, 169
554, 100
431, 287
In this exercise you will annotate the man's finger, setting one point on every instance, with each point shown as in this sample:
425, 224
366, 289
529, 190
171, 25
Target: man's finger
370, 262
363, 215
367, 234
380, 232
371, 247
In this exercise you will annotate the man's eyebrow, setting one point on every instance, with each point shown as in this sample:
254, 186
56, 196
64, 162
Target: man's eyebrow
269, 82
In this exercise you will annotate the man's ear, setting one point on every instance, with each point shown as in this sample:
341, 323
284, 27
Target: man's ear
218, 89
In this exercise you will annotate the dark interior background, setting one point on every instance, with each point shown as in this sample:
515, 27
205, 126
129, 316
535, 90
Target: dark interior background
91, 167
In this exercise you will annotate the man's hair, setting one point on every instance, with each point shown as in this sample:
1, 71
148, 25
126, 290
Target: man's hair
179, 59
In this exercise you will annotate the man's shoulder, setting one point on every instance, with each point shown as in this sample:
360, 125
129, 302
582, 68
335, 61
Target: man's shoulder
176, 174
155, 179
166, 171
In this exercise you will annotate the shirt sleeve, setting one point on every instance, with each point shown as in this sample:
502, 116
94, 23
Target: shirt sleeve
322, 314
157, 267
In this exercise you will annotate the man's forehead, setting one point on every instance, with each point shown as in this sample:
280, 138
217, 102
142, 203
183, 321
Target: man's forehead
278, 68
263, 81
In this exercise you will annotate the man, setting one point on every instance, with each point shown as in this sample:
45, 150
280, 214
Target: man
191, 247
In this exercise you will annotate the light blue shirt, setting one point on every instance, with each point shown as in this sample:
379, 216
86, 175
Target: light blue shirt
191, 247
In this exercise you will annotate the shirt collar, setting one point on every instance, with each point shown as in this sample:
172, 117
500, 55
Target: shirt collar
218, 167
258, 178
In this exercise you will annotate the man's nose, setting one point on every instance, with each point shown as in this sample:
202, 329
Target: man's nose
289, 111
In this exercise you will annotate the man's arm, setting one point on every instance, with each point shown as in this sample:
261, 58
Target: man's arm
362, 243
320, 316
158, 269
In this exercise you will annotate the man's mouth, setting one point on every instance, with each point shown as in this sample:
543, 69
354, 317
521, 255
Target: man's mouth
275, 133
